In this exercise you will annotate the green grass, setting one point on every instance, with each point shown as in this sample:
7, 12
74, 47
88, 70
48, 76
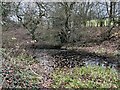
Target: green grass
85, 77
95, 21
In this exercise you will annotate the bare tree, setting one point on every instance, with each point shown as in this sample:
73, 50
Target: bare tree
30, 17
111, 13
61, 18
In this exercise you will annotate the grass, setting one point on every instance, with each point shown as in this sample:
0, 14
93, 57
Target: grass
95, 21
85, 77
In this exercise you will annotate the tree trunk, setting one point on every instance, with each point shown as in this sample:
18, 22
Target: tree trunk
110, 13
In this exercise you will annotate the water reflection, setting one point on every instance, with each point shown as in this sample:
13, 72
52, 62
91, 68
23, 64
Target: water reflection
65, 58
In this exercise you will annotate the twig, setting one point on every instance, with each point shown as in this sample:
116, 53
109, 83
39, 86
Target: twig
33, 71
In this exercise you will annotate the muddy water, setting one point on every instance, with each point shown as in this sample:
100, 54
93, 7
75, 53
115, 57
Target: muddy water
52, 58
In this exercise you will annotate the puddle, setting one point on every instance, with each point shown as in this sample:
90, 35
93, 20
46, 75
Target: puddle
52, 58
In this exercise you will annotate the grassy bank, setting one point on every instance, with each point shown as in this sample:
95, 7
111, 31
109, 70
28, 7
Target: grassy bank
85, 77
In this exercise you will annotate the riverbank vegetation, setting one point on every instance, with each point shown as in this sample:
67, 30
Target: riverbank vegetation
85, 77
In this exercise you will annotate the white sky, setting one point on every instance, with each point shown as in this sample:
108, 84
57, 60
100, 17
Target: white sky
59, 0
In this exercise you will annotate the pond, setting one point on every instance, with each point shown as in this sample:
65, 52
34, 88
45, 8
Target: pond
58, 58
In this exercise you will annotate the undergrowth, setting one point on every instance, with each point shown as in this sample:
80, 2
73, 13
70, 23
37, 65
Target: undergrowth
85, 77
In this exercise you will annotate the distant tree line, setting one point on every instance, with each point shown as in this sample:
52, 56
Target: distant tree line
66, 17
